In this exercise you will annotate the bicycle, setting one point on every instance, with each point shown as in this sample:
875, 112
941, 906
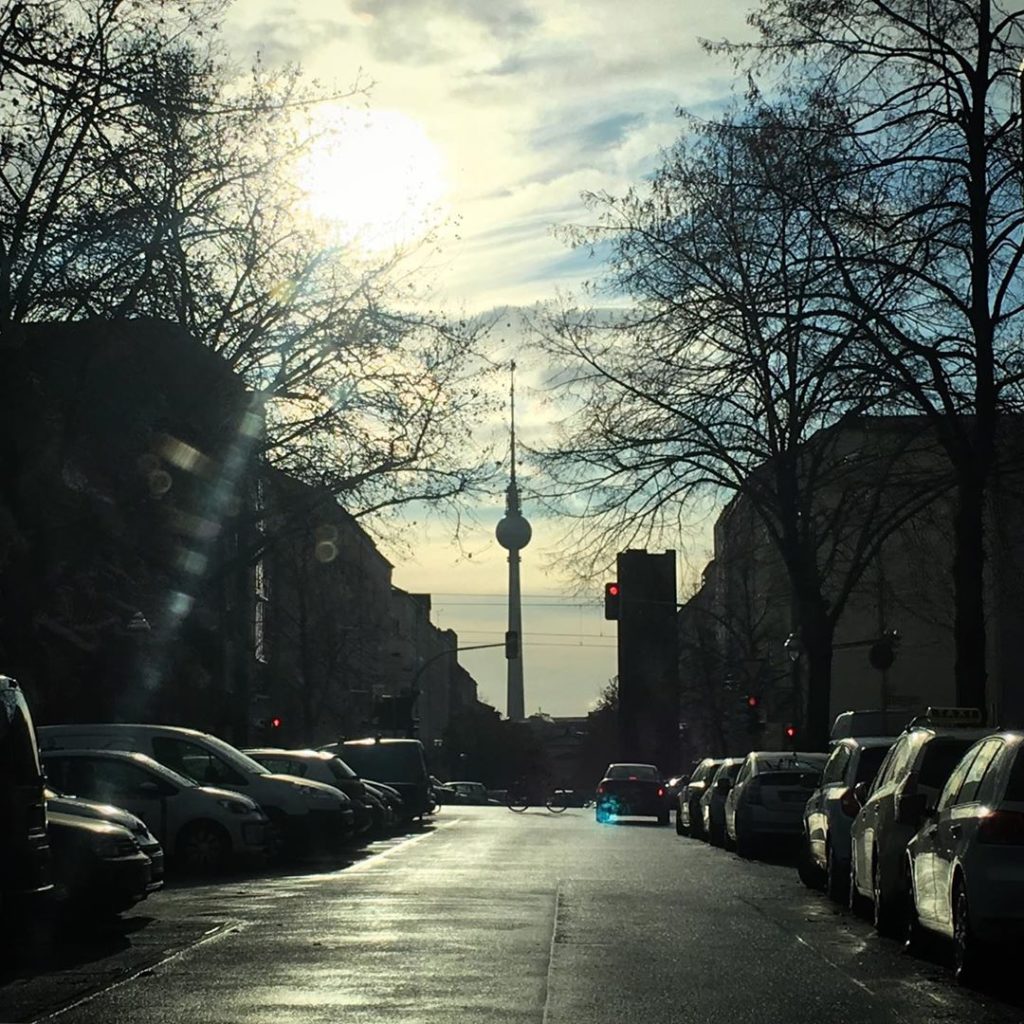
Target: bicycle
555, 802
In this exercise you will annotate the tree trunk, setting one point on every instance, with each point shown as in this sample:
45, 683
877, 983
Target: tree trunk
969, 583
817, 634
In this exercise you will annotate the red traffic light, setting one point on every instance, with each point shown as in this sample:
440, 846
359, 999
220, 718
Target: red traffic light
791, 732
275, 723
753, 701
611, 600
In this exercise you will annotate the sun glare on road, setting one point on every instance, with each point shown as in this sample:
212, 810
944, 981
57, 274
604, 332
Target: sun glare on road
374, 176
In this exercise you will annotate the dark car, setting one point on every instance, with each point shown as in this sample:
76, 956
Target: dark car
98, 868
631, 790
24, 844
148, 843
398, 763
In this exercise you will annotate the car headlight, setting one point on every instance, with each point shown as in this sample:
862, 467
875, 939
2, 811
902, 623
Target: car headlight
316, 794
234, 806
115, 846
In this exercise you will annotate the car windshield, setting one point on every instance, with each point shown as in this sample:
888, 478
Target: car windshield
869, 762
645, 772
340, 770
385, 762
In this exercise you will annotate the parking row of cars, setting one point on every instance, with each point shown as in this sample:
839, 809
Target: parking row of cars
923, 831
89, 813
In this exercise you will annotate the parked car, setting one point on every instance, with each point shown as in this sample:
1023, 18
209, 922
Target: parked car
689, 820
391, 800
24, 843
65, 803
768, 797
301, 812
443, 793
908, 783
470, 792
631, 790
966, 862
399, 763
322, 766
712, 803
203, 828
98, 868
829, 813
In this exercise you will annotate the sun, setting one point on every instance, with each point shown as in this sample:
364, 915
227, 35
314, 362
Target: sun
374, 176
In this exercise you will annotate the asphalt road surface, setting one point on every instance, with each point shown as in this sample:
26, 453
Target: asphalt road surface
489, 916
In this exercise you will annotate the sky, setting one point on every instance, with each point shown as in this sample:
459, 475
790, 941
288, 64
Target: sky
486, 121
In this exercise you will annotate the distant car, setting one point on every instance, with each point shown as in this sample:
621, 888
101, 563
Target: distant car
907, 785
689, 820
829, 813
768, 797
712, 803
966, 863
148, 843
321, 766
443, 793
98, 868
470, 792
201, 827
399, 763
631, 790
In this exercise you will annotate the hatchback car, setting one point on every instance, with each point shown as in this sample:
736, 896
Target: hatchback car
98, 868
966, 863
202, 827
148, 843
470, 792
768, 798
829, 814
631, 790
712, 803
688, 814
907, 785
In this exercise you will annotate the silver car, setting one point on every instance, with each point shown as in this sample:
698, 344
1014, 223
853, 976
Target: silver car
829, 814
966, 863
768, 798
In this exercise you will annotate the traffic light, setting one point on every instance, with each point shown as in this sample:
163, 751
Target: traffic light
275, 722
611, 600
791, 734
753, 704
511, 644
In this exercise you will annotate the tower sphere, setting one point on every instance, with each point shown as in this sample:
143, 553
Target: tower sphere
513, 532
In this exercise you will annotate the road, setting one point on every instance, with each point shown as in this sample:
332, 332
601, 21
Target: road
489, 916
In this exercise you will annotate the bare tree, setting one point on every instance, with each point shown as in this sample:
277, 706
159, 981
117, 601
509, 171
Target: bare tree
930, 251
738, 368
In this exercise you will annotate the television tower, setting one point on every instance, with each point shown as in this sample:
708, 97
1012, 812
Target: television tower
513, 533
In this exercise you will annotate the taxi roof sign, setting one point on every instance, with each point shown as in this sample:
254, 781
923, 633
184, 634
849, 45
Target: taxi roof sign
954, 716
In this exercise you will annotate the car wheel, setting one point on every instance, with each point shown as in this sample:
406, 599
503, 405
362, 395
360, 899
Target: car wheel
837, 876
857, 903
663, 818
680, 831
203, 846
888, 914
744, 845
809, 872
968, 955
696, 823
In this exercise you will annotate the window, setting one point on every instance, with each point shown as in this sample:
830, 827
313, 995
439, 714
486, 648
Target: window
745, 772
976, 772
195, 762
868, 763
885, 773
941, 756
1015, 783
835, 766
953, 783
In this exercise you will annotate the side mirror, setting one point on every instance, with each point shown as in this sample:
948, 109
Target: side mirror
911, 808
723, 785
860, 792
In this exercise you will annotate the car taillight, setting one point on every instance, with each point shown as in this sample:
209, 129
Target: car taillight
600, 789
753, 792
661, 791
849, 804
1003, 827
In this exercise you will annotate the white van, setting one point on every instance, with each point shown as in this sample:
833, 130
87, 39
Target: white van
301, 811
